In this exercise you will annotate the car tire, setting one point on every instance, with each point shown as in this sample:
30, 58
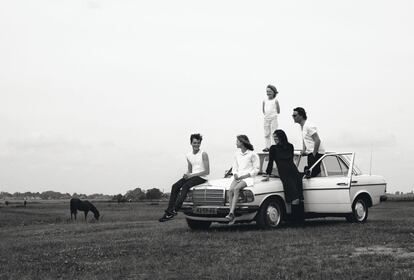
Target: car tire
270, 214
198, 225
359, 211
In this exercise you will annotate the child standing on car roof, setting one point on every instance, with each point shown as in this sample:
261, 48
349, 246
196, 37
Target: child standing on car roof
271, 109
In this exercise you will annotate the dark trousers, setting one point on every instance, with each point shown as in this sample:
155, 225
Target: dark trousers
179, 192
298, 212
311, 161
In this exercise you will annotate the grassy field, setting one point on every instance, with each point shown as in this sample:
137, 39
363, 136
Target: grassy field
40, 242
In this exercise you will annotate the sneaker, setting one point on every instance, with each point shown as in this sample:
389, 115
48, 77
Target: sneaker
174, 212
230, 217
266, 150
166, 217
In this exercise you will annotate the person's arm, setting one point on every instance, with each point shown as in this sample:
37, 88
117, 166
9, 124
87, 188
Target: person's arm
256, 165
269, 166
270, 163
263, 107
206, 166
189, 167
303, 152
189, 170
317, 141
291, 150
277, 107
235, 168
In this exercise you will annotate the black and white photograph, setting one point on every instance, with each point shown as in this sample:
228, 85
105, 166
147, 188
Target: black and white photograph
206, 140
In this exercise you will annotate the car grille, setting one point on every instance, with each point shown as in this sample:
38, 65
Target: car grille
208, 197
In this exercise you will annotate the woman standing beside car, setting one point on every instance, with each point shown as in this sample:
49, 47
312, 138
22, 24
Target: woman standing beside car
246, 165
282, 154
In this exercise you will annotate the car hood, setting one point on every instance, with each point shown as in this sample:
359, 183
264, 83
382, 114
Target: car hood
219, 183
274, 184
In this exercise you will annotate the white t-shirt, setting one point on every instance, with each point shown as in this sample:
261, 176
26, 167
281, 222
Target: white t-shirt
197, 162
307, 131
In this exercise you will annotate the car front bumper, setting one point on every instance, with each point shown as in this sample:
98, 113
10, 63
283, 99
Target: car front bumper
220, 211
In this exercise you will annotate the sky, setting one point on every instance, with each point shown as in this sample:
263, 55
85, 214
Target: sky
102, 96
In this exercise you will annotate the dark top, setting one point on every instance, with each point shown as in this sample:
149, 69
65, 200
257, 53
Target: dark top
288, 172
283, 158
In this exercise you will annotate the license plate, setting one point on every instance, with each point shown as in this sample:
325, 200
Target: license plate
205, 211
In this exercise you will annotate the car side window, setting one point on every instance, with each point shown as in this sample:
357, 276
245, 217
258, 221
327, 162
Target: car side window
334, 166
303, 162
343, 167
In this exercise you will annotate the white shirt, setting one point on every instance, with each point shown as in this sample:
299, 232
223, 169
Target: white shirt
246, 163
307, 131
197, 163
270, 109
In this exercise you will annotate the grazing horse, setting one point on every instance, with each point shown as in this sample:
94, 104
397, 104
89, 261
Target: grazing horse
82, 205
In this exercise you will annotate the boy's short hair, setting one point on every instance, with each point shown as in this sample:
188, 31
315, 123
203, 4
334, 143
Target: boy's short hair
196, 136
301, 112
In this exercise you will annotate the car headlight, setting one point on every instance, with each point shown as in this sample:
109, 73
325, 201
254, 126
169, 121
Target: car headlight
245, 196
189, 197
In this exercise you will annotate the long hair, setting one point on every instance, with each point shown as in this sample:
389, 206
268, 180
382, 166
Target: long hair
281, 135
245, 141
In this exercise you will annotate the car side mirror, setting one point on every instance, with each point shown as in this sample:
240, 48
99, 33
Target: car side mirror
307, 172
228, 173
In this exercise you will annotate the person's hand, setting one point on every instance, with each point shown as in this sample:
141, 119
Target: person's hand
236, 177
186, 175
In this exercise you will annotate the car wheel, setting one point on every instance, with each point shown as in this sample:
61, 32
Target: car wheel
198, 225
359, 211
270, 214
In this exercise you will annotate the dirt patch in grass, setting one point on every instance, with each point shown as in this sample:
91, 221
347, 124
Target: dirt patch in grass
383, 250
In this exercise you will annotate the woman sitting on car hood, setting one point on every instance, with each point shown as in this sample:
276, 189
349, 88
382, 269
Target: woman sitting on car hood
246, 165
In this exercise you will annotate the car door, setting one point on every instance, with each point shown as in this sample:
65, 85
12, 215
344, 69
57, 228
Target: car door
329, 191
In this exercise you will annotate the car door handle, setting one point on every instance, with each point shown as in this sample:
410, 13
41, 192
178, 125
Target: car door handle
342, 184
354, 182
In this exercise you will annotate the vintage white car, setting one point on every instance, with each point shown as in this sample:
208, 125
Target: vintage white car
340, 190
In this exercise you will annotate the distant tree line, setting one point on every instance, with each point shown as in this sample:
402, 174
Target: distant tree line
138, 194
50, 195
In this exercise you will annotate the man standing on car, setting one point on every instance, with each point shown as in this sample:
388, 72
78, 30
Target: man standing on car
198, 169
312, 144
